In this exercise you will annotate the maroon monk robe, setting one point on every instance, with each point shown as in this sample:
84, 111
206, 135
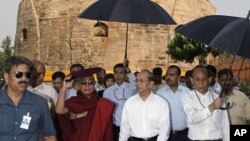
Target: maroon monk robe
95, 126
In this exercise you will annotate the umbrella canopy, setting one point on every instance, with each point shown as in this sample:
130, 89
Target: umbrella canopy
230, 34
128, 11
227, 33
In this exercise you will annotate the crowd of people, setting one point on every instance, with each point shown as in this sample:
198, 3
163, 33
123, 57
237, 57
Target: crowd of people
90, 105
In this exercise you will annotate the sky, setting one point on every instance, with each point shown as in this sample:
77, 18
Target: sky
9, 9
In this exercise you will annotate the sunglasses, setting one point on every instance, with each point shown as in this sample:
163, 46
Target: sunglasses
20, 74
89, 82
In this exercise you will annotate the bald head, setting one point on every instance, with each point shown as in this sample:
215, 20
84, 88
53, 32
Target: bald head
38, 63
200, 68
149, 74
200, 79
38, 73
144, 82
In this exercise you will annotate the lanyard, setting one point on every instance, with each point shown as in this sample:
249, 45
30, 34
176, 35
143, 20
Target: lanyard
120, 97
199, 98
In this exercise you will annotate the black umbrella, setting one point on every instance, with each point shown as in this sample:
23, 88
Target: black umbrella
230, 34
128, 11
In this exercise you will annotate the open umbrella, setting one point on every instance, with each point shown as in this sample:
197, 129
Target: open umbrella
128, 11
230, 34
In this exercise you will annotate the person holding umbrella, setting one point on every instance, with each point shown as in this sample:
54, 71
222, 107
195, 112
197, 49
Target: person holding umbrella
205, 119
85, 117
240, 114
119, 93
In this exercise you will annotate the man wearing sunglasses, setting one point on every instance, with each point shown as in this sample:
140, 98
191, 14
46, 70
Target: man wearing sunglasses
22, 111
86, 116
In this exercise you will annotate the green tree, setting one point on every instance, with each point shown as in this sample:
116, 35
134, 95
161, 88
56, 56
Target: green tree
244, 86
6, 51
184, 49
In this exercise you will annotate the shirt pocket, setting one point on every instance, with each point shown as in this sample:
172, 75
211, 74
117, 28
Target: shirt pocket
153, 117
34, 123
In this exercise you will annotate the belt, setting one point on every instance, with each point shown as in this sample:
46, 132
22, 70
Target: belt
178, 131
154, 138
115, 126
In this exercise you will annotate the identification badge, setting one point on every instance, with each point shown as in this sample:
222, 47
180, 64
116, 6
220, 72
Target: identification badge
26, 121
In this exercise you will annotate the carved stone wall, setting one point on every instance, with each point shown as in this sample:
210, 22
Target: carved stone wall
49, 30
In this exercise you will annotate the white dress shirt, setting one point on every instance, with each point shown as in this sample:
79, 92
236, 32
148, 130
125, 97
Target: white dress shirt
144, 119
215, 88
45, 90
70, 93
203, 124
119, 94
174, 99
99, 87
131, 78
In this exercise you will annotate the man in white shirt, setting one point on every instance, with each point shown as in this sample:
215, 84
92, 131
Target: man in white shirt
145, 115
99, 86
206, 121
119, 93
39, 87
159, 82
173, 93
214, 86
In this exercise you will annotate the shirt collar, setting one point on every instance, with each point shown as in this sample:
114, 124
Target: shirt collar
40, 86
178, 88
149, 98
4, 98
200, 94
232, 93
123, 85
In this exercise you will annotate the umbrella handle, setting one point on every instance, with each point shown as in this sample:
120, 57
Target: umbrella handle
126, 47
248, 15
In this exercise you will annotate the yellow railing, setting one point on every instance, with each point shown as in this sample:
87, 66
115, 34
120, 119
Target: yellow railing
49, 73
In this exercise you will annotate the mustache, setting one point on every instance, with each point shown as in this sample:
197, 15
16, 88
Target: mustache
23, 82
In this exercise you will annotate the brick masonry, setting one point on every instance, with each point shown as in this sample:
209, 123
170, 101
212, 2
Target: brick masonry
56, 36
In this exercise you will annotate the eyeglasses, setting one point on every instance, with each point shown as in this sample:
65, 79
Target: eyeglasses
89, 82
20, 74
